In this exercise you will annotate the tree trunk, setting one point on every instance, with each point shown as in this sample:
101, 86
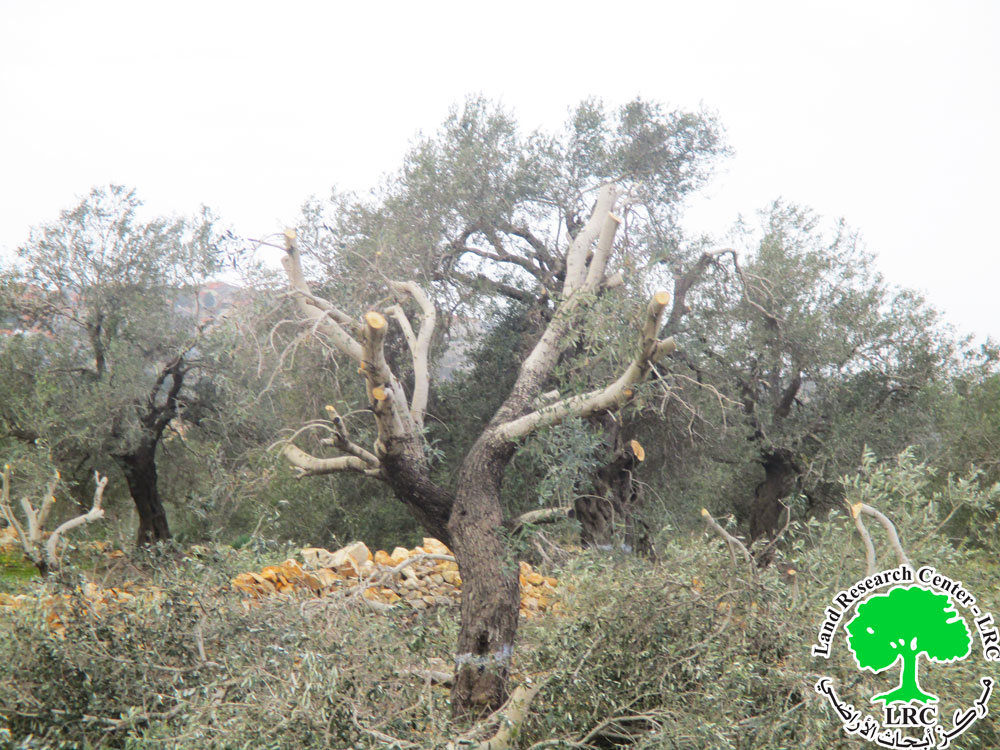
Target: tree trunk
490, 588
780, 473
139, 468
616, 499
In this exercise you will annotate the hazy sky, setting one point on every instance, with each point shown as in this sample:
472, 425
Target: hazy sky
886, 113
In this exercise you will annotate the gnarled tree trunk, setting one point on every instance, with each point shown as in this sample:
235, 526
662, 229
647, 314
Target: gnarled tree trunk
490, 588
780, 476
608, 517
139, 468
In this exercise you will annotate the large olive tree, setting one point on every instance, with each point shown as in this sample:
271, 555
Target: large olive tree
818, 355
478, 219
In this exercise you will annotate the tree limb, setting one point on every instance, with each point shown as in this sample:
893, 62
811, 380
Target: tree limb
866, 538
313, 310
419, 347
308, 465
732, 541
611, 396
542, 515
95, 513
890, 529
511, 715
576, 255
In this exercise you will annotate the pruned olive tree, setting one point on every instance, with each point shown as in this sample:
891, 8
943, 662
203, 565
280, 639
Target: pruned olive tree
480, 219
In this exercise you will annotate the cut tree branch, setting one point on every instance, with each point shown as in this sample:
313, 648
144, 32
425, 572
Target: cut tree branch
576, 255
95, 513
866, 538
419, 346
309, 465
610, 397
45, 558
321, 314
890, 529
733, 542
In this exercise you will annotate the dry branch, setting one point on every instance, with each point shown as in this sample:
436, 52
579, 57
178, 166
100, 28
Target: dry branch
542, 515
398, 424
732, 541
308, 465
95, 513
890, 529
419, 346
45, 558
865, 538
511, 715
323, 315
576, 256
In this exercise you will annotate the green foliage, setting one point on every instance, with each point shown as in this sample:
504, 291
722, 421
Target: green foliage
106, 299
950, 511
690, 653
278, 674
811, 356
698, 654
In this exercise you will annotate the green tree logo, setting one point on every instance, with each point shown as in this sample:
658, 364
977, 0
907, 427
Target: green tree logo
901, 625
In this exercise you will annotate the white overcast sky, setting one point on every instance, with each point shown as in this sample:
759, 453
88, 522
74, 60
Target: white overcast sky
884, 112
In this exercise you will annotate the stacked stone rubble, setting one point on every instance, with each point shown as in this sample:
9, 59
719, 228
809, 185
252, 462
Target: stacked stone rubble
422, 577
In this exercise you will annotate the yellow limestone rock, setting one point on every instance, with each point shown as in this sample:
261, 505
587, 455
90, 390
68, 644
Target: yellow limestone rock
327, 577
421, 584
349, 559
316, 557
399, 554
434, 547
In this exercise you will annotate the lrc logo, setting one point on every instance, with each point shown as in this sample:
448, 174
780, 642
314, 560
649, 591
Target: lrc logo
897, 627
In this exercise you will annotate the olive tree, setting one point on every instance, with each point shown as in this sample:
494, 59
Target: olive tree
111, 330
478, 219
819, 355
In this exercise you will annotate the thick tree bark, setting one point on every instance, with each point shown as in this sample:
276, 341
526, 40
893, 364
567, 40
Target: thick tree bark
490, 587
780, 475
139, 467
612, 509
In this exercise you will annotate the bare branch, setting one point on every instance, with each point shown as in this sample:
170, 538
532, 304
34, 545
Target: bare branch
510, 717
542, 515
732, 541
309, 465
48, 501
870, 563
890, 530
598, 264
385, 394
95, 513
8, 511
576, 256
343, 442
314, 311
419, 347
610, 397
